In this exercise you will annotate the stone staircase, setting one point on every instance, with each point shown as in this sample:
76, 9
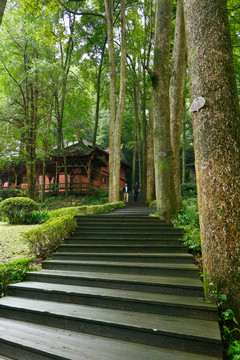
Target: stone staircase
122, 287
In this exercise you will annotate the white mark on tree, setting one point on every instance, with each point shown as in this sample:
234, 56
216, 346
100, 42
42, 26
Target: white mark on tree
162, 154
197, 104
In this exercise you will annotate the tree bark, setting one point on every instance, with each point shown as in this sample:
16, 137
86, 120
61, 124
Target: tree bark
98, 94
134, 160
144, 132
139, 132
116, 113
184, 145
177, 86
2, 8
150, 186
163, 158
216, 129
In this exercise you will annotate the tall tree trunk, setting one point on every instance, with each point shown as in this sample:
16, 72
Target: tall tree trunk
98, 94
139, 132
177, 86
43, 180
150, 186
115, 123
2, 8
217, 143
163, 158
113, 90
134, 160
144, 132
184, 145
31, 141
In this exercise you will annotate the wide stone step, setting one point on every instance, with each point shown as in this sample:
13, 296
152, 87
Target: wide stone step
129, 232
37, 342
155, 284
183, 306
78, 239
150, 329
169, 269
107, 225
105, 217
180, 258
121, 248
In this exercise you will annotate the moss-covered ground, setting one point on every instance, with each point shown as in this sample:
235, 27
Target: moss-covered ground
12, 246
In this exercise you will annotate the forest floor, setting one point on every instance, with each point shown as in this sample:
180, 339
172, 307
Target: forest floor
12, 246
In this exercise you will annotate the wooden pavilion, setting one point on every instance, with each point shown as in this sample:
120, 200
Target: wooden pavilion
86, 167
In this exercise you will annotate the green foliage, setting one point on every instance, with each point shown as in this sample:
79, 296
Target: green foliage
230, 330
36, 217
189, 190
84, 210
43, 240
73, 211
13, 272
99, 197
7, 193
17, 209
153, 204
188, 220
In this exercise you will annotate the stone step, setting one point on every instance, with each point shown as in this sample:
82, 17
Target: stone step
180, 258
129, 232
150, 329
170, 269
109, 225
26, 341
173, 305
154, 284
78, 239
121, 248
113, 217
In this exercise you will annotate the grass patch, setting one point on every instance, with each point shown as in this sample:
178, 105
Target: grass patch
12, 245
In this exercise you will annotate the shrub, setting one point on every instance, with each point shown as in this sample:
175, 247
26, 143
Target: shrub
77, 210
16, 209
43, 240
36, 217
153, 204
189, 190
99, 196
102, 209
7, 193
188, 219
84, 210
13, 272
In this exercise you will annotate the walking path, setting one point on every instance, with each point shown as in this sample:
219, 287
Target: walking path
122, 287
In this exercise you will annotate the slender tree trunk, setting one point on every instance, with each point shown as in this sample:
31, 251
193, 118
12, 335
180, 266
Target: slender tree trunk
134, 159
144, 132
2, 8
217, 143
177, 87
98, 94
165, 192
184, 145
115, 123
150, 186
139, 132
43, 180
113, 91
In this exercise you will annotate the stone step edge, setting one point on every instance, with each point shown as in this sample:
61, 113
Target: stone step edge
204, 306
24, 344
115, 325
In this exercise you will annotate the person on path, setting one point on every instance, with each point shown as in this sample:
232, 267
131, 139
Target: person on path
125, 193
136, 191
